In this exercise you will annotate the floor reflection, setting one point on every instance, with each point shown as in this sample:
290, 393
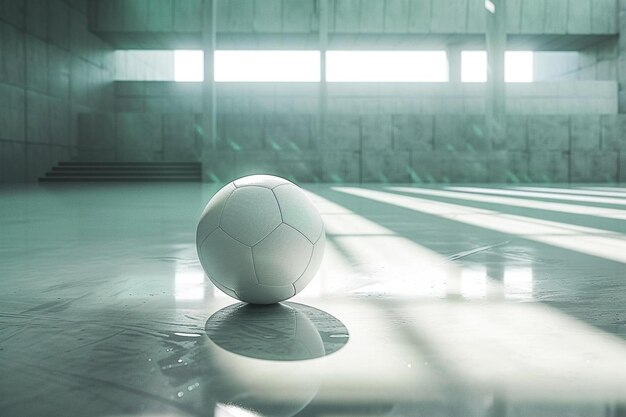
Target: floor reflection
278, 332
263, 359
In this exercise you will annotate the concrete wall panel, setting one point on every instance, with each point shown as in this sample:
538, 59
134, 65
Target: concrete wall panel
12, 11
180, 139
343, 133
139, 137
603, 16
371, 16
341, 166
12, 121
287, 132
385, 166
419, 16
396, 16
376, 132
12, 162
242, 133
97, 132
555, 16
37, 118
448, 16
41, 157
300, 166
59, 113
476, 16
579, 16
37, 18
12, 55
268, 16
585, 132
256, 162
517, 132
187, 15
58, 24
80, 42
460, 133
548, 166
448, 133
297, 17
532, 17
107, 14
413, 132
449, 166
36, 62
159, 16
609, 132
497, 165
514, 16
241, 15
548, 132
58, 73
594, 166
347, 16
133, 14
219, 167
517, 167
475, 134
464, 168
426, 167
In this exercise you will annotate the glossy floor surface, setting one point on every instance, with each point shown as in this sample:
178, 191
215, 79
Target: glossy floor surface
431, 301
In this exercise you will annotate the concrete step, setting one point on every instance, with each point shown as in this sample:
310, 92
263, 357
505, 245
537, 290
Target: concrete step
133, 164
124, 168
124, 172
119, 179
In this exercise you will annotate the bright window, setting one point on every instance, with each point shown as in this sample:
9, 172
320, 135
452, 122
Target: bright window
188, 65
518, 66
474, 66
137, 65
386, 66
254, 66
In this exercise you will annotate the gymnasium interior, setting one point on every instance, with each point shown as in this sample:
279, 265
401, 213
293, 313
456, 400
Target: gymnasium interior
467, 158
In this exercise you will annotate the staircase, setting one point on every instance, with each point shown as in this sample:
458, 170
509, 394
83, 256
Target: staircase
124, 172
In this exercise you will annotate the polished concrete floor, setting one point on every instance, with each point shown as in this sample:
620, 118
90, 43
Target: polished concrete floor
431, 301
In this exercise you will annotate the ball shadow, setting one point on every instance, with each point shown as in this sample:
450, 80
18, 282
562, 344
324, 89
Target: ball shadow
277, 332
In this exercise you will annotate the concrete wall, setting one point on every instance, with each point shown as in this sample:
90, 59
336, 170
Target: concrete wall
51, 68
372, 148
366, 98
356, 16
598, 62
163, 24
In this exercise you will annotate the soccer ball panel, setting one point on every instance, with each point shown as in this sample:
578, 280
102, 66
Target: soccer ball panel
227, 263
250, 214
225, 290
298, 211
281, 258
314, 264
210, 218
264, 294
268, 181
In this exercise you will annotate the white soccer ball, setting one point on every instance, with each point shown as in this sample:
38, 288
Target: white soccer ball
260, 239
